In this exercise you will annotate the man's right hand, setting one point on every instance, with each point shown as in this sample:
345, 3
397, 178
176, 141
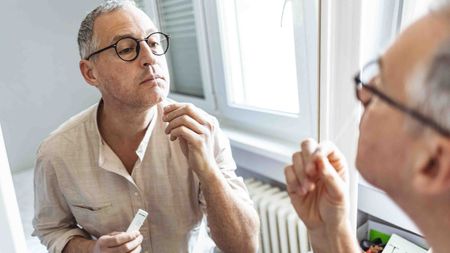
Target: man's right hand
119, 242
316, 183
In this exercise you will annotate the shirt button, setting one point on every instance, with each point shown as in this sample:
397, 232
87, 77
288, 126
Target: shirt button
136, 194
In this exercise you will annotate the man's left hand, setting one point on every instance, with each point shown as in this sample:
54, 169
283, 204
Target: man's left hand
194, 129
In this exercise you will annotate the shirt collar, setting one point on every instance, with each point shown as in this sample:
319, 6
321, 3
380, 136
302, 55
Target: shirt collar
104, 150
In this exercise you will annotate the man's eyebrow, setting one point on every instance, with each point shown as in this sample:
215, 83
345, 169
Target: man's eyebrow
119, 37
125, 35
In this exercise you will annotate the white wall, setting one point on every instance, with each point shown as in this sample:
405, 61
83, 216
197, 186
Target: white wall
11, 232
40, 83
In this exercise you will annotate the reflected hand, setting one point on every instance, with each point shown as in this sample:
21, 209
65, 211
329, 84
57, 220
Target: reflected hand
194, 129
119, 242
316, 183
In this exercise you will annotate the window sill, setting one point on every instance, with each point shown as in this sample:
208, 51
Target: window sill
260, 153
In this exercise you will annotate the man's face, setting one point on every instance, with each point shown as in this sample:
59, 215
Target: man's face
141, 83
385, 146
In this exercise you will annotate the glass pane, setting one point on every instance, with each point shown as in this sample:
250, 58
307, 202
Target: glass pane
259, 36
178, 20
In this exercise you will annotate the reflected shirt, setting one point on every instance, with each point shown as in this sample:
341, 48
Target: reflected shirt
83, 189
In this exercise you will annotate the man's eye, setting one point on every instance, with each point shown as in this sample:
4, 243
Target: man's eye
126, 50
153, 44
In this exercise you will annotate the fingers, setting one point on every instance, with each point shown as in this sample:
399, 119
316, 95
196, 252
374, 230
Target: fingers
333, 182
117, 239
300, 161
187, 121
298, 168
292, 184
187, 116
176, 110
130, 246
334, 156
187, 134
305, 165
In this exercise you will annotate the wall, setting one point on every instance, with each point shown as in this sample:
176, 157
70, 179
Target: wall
40, 83
11, 233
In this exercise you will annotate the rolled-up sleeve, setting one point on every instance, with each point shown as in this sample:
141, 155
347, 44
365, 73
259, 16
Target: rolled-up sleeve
53, 221
227, 166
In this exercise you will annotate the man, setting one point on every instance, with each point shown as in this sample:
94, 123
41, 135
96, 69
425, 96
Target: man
404, 144
135, 150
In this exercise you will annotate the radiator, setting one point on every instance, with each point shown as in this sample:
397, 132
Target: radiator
281, 229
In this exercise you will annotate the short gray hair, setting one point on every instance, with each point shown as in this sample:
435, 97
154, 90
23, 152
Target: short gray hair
431, 90
87, 41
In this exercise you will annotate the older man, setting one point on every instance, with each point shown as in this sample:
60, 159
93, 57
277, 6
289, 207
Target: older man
136, 149
404, 143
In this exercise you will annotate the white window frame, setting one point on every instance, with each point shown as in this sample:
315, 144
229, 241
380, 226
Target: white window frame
295, 126
214, 76
208, 101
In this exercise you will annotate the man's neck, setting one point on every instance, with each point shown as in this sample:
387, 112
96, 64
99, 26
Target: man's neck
123, 124
432, 220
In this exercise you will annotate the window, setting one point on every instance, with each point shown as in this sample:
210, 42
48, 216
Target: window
177, 19
261, 54
267, 78
251, 63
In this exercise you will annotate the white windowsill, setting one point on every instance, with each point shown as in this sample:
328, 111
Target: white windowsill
259, 153
260, 144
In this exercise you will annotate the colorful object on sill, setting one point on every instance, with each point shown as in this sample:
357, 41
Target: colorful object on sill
372, 246
375, 249
374, 234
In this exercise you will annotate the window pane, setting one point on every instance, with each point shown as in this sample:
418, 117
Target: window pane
178, 20
261, 62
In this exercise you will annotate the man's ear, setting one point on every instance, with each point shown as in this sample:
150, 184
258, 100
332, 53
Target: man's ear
432, 174
88, 71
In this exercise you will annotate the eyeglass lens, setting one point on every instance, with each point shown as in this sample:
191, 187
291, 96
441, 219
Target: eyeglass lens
128, 48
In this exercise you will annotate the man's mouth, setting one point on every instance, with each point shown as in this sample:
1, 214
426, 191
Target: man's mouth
151, 79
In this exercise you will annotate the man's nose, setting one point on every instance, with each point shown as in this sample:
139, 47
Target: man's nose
146, 56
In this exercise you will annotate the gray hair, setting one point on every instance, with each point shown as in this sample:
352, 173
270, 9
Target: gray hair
431, 88
87, 42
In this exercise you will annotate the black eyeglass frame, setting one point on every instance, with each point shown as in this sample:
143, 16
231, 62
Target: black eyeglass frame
359, 84
138, 46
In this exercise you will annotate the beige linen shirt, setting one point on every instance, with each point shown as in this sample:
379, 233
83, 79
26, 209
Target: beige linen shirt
83, 189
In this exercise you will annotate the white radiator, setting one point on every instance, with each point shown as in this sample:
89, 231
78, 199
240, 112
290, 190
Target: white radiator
281, 229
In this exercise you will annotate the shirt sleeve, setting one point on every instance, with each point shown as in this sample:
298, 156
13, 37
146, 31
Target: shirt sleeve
53, 221
226, 164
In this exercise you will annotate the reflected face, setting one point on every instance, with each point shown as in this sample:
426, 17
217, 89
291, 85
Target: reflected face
141, 83
385, 144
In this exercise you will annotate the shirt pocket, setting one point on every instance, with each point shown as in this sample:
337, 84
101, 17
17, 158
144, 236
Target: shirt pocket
95, 218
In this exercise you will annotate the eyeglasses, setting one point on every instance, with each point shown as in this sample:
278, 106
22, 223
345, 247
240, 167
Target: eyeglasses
128, 48
365, 93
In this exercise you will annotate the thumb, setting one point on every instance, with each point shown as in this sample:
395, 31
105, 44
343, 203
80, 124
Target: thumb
333, 183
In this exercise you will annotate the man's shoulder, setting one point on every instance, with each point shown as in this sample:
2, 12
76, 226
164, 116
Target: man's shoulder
69, 131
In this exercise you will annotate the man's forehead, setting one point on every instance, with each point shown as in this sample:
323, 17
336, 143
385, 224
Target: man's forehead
122, 22
413, 48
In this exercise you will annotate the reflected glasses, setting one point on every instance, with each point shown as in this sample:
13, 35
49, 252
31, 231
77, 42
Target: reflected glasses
365, 93
128, 48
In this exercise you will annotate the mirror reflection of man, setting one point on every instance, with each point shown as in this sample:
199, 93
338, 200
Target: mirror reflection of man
136, 149
403, 148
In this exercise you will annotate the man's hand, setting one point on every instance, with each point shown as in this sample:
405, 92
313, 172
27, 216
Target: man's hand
119, 243
193, 128
316, 183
